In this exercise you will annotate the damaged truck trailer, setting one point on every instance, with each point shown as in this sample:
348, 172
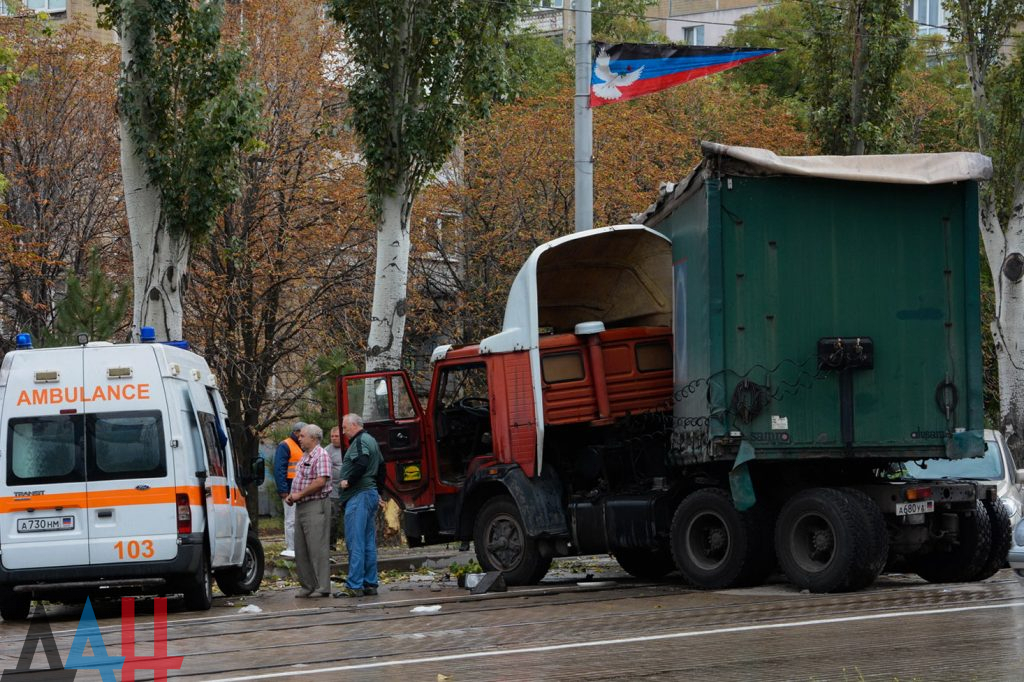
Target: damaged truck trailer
726, 389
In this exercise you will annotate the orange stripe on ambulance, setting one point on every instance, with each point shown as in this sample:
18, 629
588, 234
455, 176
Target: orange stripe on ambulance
75, 394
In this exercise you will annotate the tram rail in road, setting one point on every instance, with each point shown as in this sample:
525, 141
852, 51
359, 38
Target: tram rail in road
628, 629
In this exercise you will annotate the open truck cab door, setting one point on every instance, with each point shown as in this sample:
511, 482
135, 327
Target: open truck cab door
393, 416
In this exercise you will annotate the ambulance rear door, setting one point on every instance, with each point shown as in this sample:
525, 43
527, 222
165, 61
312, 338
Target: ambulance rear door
44, 515
130, 477
220, 521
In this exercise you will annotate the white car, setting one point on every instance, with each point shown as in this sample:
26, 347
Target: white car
996, 465
1016, 556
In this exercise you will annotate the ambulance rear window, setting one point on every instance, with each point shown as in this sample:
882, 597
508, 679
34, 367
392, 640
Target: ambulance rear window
125, 445
44, 450
116, 445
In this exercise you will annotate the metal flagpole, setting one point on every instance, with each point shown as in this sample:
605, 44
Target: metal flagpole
584, 121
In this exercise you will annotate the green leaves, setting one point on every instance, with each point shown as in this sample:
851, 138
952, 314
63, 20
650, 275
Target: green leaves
95, 306
425, 69
185, 108
858, 48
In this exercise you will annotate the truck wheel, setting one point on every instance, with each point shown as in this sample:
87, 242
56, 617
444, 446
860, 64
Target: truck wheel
715, 545
198, 589
244, 579
14, 605
965, 560
1002, 539
647, 564
825, 542
878, 535
502, 544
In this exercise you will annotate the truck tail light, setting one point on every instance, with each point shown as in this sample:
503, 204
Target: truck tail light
914, 494
184, 514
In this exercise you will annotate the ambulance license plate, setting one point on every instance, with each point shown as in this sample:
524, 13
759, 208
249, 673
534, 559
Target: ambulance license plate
45, 523
908, 508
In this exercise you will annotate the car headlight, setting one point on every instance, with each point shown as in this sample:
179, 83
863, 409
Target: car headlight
1012, 505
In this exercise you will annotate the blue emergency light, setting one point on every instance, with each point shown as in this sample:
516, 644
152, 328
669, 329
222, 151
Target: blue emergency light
23, 341
147, 335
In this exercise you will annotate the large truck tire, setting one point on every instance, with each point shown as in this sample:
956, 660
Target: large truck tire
502, 544
244, 579
198, 589
964, 561
825, 542
1002, 539
14, 606
878, 554
646, 564
715, 546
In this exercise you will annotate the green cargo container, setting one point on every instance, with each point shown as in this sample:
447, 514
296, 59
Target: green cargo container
826, 306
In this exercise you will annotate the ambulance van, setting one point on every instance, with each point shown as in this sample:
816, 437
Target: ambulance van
118, 477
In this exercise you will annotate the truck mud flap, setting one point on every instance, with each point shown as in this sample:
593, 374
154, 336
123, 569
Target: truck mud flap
539, 499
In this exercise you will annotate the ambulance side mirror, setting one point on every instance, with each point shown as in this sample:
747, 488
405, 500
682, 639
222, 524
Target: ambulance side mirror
259, 471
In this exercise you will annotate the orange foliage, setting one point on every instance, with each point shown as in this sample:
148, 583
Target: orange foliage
59, 152
272, 287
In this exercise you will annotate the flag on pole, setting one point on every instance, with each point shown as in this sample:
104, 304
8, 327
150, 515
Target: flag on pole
627, 70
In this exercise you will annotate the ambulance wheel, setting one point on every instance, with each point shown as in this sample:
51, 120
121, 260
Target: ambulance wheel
14, 605
244, 579
502, 544
198, 589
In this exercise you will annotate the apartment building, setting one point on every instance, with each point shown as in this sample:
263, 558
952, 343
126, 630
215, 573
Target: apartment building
60, 11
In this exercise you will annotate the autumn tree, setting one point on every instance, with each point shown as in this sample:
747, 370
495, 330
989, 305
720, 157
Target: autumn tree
59, 154
996, 70
423, 70
184, 117
275, 280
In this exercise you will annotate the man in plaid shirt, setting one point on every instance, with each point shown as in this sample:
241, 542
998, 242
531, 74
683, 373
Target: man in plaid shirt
311, 488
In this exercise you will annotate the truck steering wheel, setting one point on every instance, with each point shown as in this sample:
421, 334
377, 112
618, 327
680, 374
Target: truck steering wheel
478, 407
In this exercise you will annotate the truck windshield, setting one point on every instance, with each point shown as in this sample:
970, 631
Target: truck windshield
77, 447
988, 467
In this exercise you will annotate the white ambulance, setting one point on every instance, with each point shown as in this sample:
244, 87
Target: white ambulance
118, 477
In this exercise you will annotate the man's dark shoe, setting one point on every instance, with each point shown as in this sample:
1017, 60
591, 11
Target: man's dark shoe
370, 591
347, 591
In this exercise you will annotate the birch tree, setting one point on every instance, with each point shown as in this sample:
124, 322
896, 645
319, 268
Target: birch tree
184, 115
996, 70
424, 69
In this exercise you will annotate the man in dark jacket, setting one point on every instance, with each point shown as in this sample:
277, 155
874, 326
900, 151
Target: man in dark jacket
359, 498
287, 456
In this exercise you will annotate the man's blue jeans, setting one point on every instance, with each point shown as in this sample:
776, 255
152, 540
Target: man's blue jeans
361, 539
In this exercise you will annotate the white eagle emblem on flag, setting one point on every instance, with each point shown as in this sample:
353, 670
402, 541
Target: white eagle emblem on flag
611, 81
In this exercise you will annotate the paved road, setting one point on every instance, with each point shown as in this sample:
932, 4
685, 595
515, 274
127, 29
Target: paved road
900, 628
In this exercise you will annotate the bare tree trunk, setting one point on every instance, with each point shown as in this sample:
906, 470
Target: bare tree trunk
387, 323
159, 259
1005, 254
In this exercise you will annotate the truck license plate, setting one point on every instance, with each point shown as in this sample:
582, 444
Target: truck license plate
908, 508
45, 523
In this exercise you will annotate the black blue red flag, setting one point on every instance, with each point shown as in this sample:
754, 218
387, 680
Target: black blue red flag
628, 70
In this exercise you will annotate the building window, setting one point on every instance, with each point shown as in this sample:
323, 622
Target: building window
693, 35
551, 4
930, 16
12, 7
